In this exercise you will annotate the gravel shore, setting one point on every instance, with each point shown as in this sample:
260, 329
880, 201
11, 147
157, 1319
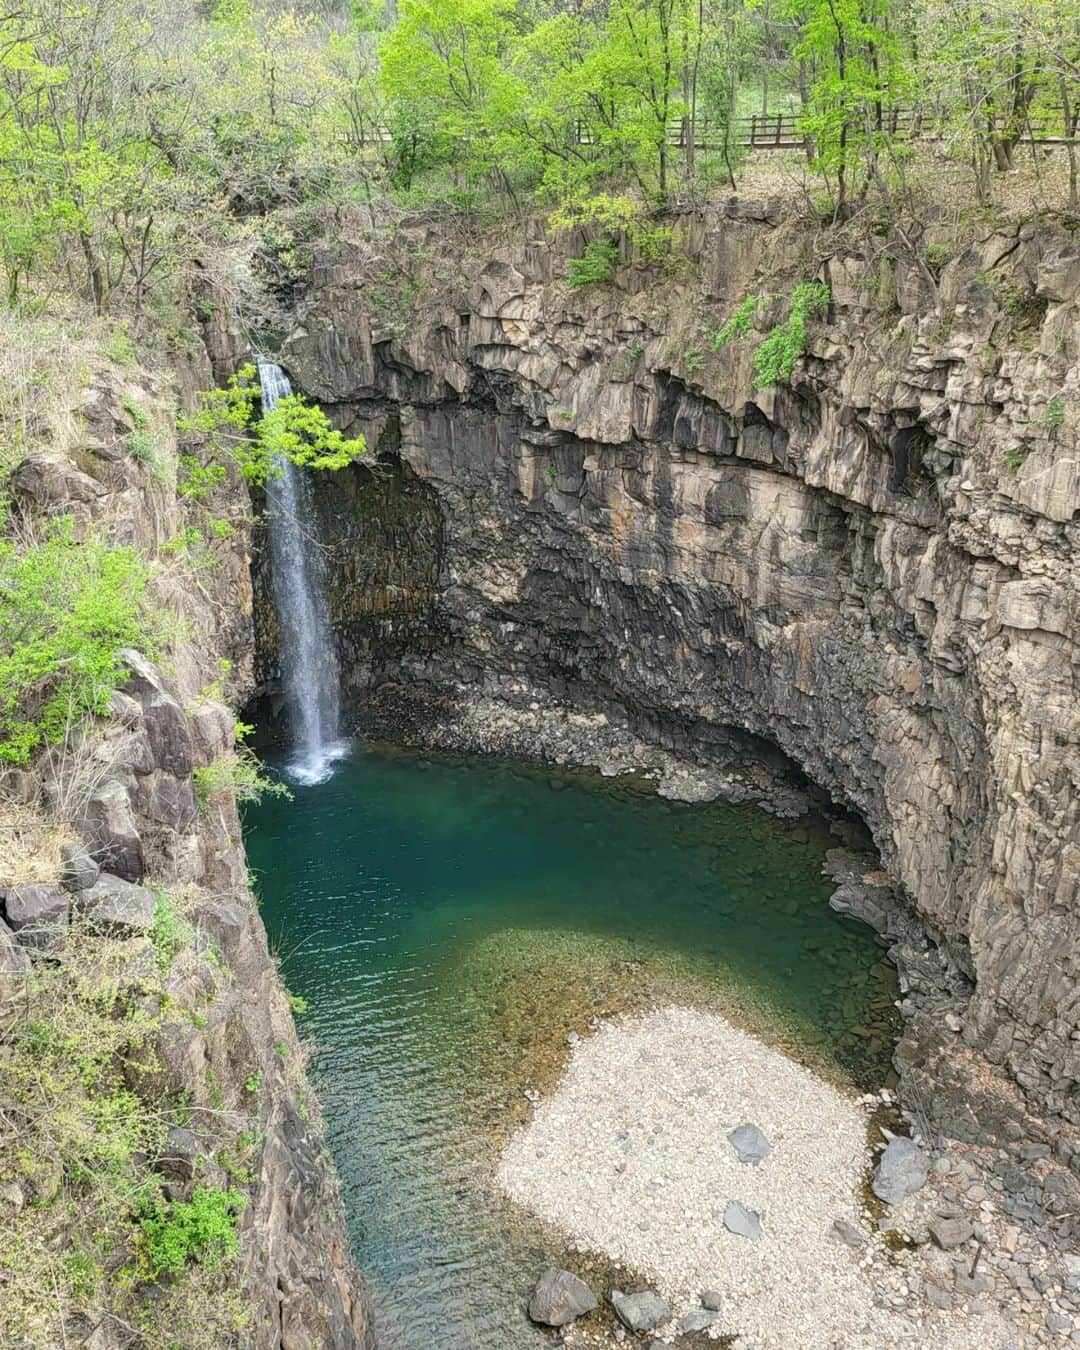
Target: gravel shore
631, 1157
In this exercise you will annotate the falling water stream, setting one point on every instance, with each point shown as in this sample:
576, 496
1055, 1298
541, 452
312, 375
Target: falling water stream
309, 670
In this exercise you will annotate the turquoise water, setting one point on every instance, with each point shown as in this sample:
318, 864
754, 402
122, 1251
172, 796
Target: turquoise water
449, 923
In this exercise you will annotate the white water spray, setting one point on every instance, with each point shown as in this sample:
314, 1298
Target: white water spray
309, 667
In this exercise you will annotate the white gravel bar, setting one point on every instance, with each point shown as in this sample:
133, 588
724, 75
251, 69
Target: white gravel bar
630, 1157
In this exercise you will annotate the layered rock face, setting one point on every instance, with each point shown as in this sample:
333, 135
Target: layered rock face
873, 567
128, 792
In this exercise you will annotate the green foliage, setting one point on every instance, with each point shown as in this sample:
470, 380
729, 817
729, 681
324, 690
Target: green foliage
175, 1233
237, 772
737, 326
68, 606
169, 932
597, 267
230, 430
775, 358
298, 1004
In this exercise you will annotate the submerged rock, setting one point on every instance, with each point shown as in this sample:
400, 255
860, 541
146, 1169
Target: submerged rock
902, 1171
742, 1222
750, 1143
559, 1297
640, 1312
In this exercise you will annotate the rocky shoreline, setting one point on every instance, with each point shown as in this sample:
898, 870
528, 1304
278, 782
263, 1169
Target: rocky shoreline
1009, 1176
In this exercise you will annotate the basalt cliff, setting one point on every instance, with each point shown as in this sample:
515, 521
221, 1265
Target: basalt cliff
584, 515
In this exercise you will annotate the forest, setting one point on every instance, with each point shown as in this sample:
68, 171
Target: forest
142, 143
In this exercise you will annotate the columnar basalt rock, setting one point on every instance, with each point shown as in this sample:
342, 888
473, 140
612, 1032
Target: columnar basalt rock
873, 568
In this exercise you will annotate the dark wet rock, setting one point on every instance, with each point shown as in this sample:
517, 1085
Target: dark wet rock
750, 1143
644, 1311
117, 907
78, 870
901, 1171
742, 1221
38, 916
849, 1233
950, 1231
559, 1297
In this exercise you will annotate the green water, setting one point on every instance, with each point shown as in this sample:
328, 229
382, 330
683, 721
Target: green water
450, 923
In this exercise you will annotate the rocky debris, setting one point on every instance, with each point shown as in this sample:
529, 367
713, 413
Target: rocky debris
750, 1144
38, 916
901, 1171
559, 1297
712, 1299
117, 907
644, 1311
742, 1221
697, 1319
950, 1231
850, 1234
78, 871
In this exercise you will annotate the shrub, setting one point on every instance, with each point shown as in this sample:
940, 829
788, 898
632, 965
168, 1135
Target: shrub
68, 607
237, 771
597, 267
175, 1233
775, 358
737, 326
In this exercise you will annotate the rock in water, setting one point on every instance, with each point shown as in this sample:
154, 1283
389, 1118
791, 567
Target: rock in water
640, 1312
750, 1144
559, 1297
742, 1221
902, 1171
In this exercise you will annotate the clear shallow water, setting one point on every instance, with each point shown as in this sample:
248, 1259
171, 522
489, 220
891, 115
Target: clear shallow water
449, 923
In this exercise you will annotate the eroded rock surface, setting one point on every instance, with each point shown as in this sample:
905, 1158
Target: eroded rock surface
873, 567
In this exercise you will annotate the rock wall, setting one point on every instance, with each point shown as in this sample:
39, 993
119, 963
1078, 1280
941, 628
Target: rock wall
229, 1049
872, 567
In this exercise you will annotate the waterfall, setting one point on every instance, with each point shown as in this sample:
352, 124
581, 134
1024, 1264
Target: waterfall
309, 667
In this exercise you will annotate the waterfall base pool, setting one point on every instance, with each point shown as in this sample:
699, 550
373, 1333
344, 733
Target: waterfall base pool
450, 923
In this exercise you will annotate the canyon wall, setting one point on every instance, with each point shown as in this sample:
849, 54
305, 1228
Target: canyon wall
227, 1069
871, 567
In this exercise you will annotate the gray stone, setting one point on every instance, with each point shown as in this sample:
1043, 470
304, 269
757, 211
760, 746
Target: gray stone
108, 824
901, 1171
14, 963
698, 1319
742, 1221
559, 1297
750, 1144
640, 1312
38, 916
849, 1233
78, 870
951, 1231
711, 1299
117, 907
1057, 1322
937, 1298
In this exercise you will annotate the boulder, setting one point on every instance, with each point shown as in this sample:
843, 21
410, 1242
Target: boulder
950, 1231
750, 1144
38, 916
109, 826
559, 1297
742, 1222
117, 907
640, 1312
14, 963
163, 719
901, 1171
78, 871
